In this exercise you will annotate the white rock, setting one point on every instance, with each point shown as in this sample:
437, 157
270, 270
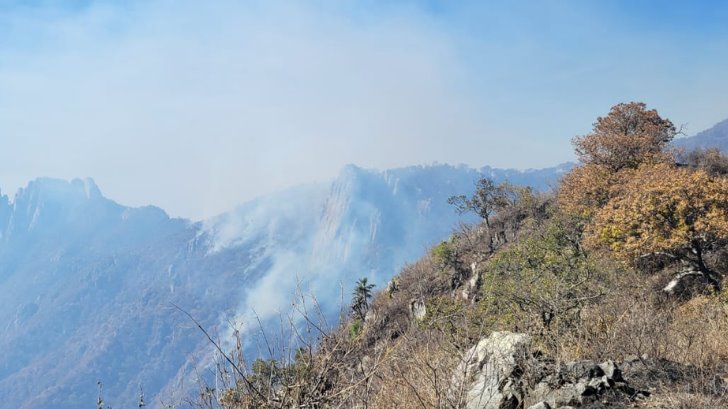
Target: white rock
486, 374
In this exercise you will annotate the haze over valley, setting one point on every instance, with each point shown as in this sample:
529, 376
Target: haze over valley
417, 204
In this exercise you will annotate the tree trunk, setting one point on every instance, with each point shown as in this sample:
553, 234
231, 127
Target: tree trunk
708, 274
699, 269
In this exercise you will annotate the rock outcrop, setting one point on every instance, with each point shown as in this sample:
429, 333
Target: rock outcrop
501, 372
418, 309
489, 375
583, 383
472, 285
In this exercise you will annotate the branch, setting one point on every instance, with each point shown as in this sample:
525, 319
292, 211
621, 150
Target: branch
670, 287
659, 253
217, 346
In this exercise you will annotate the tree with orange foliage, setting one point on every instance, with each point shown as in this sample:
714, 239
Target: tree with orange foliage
669, 211
628, 137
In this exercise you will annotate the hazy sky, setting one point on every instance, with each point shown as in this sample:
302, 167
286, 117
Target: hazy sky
198, 106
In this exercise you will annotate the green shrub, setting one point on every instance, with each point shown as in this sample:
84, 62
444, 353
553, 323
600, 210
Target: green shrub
541, 283
444, 255
355, 328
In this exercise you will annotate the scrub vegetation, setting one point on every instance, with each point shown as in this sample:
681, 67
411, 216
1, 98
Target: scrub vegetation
624, 261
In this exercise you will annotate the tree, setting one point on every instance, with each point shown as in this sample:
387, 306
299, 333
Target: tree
362, 294
267, 375
668, 211
504, 208
546, 275
587, 188
711, 160
628, 137
486, 200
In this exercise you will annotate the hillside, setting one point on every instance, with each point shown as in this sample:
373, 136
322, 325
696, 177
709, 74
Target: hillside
608, 293
714, 137
87, 283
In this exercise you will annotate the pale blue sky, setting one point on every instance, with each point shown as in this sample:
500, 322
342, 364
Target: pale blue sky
198, 106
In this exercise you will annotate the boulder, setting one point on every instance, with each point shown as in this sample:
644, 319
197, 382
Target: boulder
500, 372
418, 309
471, 288
488, 377
584, 382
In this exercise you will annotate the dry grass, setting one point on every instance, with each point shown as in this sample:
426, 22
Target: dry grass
678, 400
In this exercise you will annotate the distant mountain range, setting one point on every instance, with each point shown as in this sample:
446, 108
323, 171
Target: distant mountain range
715, 137
87, 283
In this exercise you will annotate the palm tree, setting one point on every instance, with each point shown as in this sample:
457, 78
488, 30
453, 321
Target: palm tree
361, 296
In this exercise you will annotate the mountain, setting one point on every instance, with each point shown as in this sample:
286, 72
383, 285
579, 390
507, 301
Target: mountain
88, 284
715, 137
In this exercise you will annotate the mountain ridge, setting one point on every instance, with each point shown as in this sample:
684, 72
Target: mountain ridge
713, 137
89, 281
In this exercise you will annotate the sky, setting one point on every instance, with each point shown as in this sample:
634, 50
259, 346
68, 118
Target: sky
197, 106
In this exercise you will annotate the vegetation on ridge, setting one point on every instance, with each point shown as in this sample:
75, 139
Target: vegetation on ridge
625, 260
